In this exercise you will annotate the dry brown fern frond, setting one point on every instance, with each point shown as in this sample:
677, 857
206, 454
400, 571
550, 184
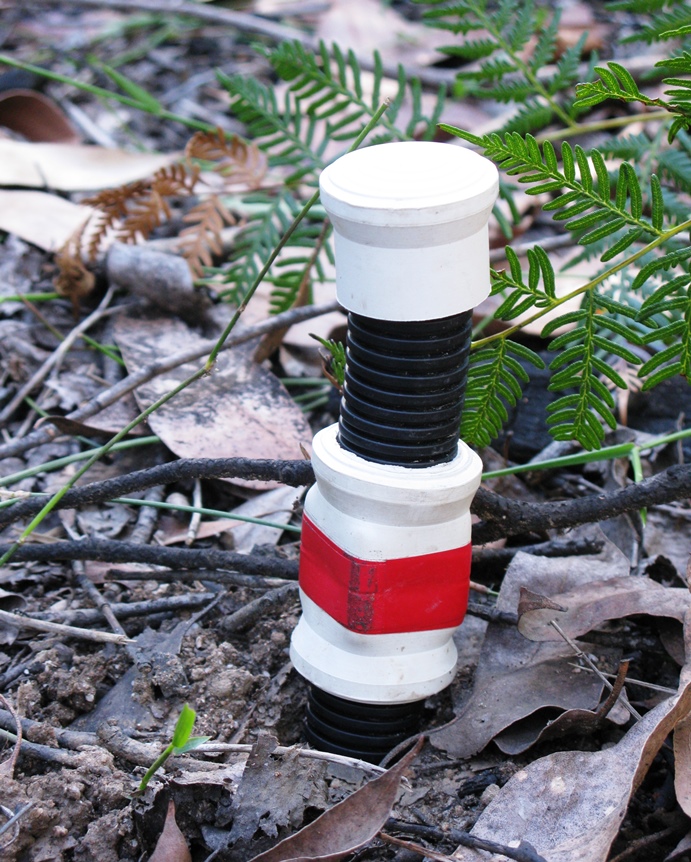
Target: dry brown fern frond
236, 160
73, 280
112, 207
133, 211
203, 236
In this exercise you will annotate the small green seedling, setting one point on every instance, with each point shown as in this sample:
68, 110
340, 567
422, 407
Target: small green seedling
334, 360
182, 742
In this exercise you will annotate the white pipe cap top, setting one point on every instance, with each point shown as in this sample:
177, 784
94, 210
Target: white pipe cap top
408, 184
410, 223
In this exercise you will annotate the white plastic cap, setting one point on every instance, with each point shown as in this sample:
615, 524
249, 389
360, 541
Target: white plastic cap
410, 222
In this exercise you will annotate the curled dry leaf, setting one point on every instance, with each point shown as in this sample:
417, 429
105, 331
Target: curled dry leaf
171, 845
585, 607
570, 805
349, 825
36, 117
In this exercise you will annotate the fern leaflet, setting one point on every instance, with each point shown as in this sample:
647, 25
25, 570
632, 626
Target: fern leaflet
494, 380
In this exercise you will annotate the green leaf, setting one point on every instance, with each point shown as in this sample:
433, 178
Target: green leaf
146, 101
183, 726
191, 744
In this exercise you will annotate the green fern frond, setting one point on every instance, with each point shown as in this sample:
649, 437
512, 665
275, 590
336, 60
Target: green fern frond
672, 303
267, 221
583, 363
520, 295
663, 23
584, 201
512, 41
615, 82
325, 102
494, 381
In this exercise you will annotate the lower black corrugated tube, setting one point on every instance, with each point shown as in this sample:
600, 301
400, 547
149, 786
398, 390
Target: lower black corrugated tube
404, 388
363, 730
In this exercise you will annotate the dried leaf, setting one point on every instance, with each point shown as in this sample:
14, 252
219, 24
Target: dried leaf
171, 846
682, 734
587, 606
239, 162
36, 117
206, 220
132, 211
44, 220
240, 410
570, 805
520, 681
349, 825
73, 280
276, 505
73, 167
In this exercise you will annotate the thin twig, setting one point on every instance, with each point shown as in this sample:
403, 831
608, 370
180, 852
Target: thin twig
579, 652
173, 576
16, 818
56, 357
45, 752
523, 853
426, 852
630, 680
81, 580
21, 622
248, 615
9, 766
196, 518
127, 610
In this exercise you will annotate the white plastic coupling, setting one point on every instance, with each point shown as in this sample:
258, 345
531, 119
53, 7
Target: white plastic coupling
384, 574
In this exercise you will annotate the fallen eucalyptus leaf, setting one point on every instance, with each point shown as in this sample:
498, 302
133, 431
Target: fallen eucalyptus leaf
74, 167
570, 805
238, 410
46, 221
520, 681
36, 117
586, 606
349, 825
171, 845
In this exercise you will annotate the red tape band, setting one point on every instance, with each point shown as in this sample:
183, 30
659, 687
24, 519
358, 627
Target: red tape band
409, 594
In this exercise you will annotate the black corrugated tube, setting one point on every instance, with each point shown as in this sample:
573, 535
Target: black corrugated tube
404, 388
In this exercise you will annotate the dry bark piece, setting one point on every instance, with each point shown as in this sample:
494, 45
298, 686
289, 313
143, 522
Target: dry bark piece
163, 280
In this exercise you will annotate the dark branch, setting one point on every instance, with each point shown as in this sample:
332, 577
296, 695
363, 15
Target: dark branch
292, 473
179, 558
504, 517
